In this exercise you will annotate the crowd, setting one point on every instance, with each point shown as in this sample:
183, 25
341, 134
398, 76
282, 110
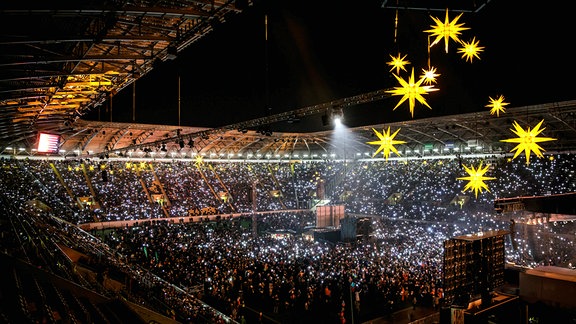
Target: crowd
248, 274
291, 276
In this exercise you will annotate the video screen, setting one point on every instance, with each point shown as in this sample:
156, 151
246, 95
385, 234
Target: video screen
48, 143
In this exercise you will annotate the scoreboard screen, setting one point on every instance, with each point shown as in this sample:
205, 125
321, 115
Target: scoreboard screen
48, 143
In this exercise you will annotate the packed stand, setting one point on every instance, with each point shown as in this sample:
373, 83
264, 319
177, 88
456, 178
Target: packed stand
412, 207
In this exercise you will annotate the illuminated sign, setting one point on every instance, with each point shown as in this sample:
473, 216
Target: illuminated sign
48, 143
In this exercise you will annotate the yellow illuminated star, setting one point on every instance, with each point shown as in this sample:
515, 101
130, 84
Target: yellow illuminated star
398, 63
386, 142
429, 75
476, 178
471, 50
446, 30
199, 160
528, 140
497, 105
412, 91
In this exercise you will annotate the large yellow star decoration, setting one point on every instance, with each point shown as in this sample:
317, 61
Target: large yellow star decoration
429, 75
471, 50
528, 140
497, 105
412, 91
446, 30
476, 178
386, 142
398, 63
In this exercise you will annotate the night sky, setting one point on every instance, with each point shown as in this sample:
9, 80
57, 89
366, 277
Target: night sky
334, 49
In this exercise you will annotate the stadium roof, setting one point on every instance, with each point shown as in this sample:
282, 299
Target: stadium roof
59, 60
456, 134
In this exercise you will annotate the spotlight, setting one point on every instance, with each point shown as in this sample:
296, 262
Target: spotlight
337, 115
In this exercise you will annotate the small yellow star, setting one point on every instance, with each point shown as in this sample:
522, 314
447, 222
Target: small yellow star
386, 142
471, 50
446, 30
199, 160
497, 105
528, 140
412, 91
476, 178
398, 63
429, 75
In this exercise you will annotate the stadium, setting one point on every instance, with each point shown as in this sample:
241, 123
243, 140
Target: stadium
454, 218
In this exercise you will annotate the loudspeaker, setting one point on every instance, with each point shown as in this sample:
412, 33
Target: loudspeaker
104, 176
325, 120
